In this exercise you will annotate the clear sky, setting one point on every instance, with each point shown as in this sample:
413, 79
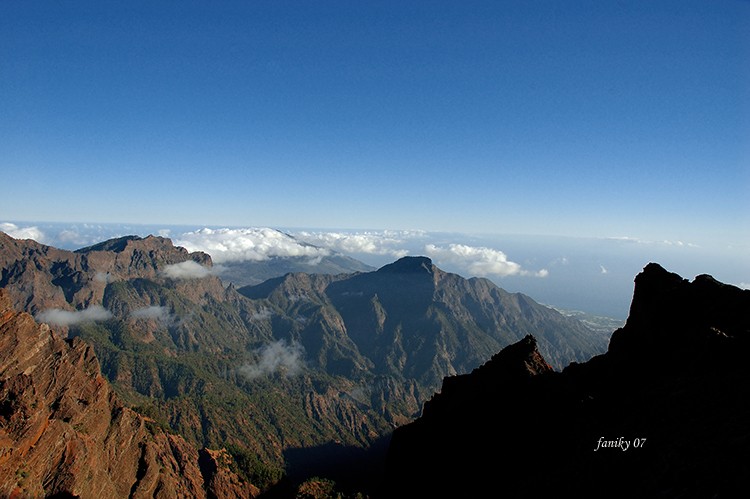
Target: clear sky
578, 118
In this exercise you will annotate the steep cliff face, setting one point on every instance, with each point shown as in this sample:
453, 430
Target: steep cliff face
663, 413
63, 431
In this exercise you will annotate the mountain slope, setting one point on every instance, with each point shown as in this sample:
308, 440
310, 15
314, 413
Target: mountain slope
451, 324
663, 413
64, 433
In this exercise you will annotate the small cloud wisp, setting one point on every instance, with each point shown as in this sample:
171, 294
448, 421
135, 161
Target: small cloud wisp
59, 317
286, 359
186, 270
153, 312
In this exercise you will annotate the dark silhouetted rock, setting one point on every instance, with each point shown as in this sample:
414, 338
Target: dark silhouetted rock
664, 413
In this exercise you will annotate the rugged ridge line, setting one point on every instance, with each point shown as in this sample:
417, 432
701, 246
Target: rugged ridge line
40, 277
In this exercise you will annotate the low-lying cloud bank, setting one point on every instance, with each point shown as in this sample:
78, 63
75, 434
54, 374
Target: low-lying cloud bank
59, 317
479, 261
386, 242
249, 244
286, 359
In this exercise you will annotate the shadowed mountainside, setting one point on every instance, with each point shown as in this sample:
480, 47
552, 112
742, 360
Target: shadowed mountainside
663, 413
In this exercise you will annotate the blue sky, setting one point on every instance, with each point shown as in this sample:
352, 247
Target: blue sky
579, 119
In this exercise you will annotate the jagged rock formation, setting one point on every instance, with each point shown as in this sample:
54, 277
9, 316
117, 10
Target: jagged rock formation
663, 413
64, 433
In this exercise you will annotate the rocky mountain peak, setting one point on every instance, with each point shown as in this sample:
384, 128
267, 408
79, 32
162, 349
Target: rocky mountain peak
116, 245
409, 265
519, 359
150, 251
670, 311
506, 370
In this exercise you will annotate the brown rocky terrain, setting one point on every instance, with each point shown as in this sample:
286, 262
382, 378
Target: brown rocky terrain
64, 433
41, 277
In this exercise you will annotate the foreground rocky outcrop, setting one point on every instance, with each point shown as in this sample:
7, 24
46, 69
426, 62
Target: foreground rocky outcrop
64, 432
664, 413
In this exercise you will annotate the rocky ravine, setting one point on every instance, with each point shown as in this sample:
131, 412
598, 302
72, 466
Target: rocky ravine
63, 432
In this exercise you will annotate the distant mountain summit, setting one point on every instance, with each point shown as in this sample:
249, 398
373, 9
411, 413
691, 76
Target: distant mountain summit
663, 413
401, 329
409, 265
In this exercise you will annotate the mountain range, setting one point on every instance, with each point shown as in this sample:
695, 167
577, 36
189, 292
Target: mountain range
283, 372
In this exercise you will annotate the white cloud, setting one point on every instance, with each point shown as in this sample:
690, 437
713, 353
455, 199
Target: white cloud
71, 236
161, 314
287, 359
254, 244
59, 317
387, 242
186, 270
479, 261
664, 242
17, 232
